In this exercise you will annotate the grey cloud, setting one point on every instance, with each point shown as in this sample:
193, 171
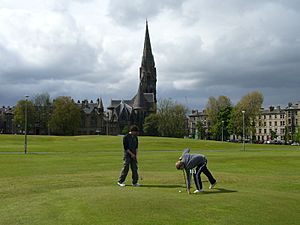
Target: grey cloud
129, 12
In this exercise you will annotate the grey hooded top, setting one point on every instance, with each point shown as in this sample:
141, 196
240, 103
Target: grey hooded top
191, 161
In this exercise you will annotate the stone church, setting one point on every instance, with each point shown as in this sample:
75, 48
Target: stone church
121, 114
124, 113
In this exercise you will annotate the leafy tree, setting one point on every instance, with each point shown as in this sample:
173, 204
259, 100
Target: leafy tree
125, 130
297, 135
218, 110
42, 99
273, 135
19, 115
201, 130
223, 120
65, 118
42, 105
151, 125
250, 103
172, 118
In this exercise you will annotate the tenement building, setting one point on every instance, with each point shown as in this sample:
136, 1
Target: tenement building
277, 124
198, 124
6, 120
274, 124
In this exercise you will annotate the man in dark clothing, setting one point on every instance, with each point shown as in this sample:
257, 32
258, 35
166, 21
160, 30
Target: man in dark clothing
195, 164
130, 144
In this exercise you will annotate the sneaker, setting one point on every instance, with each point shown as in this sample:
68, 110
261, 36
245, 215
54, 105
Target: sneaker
136, 185
121, 184
212, 185
198, 191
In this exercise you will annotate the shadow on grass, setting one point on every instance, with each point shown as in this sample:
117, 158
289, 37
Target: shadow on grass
161, 186
219, 191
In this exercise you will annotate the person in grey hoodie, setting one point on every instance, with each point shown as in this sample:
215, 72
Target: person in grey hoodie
195, 164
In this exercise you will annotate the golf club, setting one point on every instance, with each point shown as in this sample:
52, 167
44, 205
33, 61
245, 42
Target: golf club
184, 180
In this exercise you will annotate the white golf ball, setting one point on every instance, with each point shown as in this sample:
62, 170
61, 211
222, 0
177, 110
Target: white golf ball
179, 191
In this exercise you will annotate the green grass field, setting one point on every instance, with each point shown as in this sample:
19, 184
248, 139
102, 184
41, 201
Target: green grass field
72, 180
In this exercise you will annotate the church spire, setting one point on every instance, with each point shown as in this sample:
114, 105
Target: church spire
147, 69
147, 60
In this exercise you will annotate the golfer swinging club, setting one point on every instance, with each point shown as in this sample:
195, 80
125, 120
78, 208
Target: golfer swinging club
190, 161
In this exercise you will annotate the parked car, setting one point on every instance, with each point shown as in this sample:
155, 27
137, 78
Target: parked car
295, 144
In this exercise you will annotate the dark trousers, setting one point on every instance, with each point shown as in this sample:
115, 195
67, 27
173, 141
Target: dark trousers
197, 178
128, 161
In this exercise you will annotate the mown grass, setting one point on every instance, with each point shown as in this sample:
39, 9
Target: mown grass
72, 180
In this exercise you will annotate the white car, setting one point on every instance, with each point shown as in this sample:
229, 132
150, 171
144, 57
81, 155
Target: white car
295, 144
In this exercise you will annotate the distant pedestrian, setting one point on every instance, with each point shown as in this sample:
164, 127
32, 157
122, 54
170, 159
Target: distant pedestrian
195, 164
130, 144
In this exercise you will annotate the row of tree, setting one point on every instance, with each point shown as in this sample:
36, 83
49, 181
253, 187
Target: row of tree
60, 116
222, 116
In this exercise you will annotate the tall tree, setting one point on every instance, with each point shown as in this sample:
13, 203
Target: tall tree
218, 110
65, 118
19, 116
42, 103
172, 118
251, 103
201, 130
151, 125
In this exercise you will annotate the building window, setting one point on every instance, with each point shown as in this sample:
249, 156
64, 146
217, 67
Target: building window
275, 124
265, 131
265, 124
270, 123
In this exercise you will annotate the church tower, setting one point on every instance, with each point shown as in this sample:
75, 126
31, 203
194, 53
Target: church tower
147, 69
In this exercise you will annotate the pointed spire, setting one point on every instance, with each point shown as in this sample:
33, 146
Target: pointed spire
139, 101
100, 105
147, 60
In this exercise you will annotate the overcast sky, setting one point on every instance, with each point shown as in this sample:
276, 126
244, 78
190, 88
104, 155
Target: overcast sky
92, 48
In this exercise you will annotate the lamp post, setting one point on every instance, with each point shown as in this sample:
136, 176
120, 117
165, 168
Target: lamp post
222, 130
243, 130
25, 141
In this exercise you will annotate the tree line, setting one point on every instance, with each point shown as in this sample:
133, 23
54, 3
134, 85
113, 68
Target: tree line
60, 116
223, 118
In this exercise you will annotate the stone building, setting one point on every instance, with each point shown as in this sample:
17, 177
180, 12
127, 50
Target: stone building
195, 118
269, 124
6, 120
276, 124
93, 120
273, 124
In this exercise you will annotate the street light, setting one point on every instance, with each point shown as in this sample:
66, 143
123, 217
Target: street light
243, 129
25, 144
222, 130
